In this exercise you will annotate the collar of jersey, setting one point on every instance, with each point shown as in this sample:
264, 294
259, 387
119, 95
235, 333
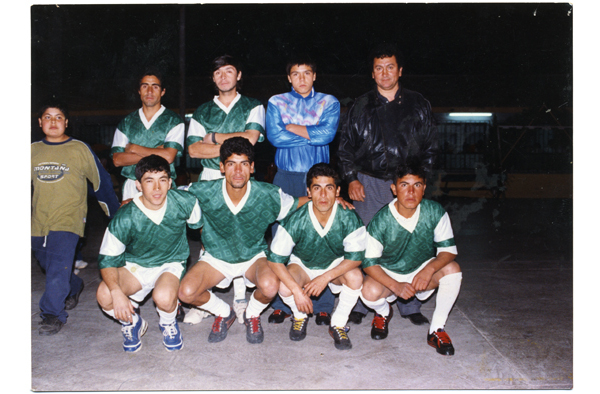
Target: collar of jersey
322, 231
156, 216
231, 105
148, 124
236, 209
407, 223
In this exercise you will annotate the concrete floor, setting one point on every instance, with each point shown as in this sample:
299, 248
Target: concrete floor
512, 325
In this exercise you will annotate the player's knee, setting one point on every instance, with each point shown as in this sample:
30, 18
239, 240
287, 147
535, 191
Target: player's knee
269, 285
187, 292
451, 268
165, 299
370, 292
354, 278
103, 295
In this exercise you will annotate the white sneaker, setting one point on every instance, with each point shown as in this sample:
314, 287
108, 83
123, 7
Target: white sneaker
80, 264
195, 316
239, 306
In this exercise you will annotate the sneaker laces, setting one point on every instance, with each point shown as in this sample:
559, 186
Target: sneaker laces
254, 323
170, 330
298, 324
342, 332
379, 321
442, 337
126, 330
217, 324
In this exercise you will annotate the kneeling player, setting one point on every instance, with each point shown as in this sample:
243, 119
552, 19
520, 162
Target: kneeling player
236, 213
401, 259
324, 246
145, 249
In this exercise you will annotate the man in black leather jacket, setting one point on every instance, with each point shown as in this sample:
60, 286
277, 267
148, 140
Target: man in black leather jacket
384, 127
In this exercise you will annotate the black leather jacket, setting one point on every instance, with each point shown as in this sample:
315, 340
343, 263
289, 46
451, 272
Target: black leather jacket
378, 135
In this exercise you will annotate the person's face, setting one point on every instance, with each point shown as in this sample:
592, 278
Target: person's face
154, 187
386, 73
323, 193
409, 190
237, 170
302, 78
226, 78
151, 91
53, 124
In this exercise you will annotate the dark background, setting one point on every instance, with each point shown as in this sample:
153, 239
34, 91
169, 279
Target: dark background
457, 55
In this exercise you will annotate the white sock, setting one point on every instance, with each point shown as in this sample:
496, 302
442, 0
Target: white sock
447, 293
289, 301
381, 306
346, 302
255, 307
166, 318
239, 289
111, 313
216, 306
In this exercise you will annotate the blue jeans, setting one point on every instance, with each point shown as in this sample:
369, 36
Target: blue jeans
323, 303
56, 254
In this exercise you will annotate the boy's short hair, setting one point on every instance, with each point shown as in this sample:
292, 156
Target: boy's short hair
236, 146
153, 71
322, 169
412, 166
227, 60
152, 163
299, 60
54, 104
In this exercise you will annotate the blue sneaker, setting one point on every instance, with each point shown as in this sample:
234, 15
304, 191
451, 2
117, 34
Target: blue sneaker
172, 338
132, 335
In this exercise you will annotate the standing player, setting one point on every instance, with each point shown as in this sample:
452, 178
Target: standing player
301, 124
227, 115
152, 130
236, 212
60, 169
144, 250
410, 252
325, 247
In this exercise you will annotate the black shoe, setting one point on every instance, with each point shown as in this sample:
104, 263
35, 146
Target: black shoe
340, 337
72, 301
355, 317
380, 325
50, 325
417, 319
254, 330
441, 342
298, 329
323, 319
278, 316
180, 313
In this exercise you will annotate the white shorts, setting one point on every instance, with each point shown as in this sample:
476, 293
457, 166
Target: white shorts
230, 271
313, 273
408, 278
148, 276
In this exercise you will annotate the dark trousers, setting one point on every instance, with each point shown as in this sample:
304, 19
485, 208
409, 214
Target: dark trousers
56, 254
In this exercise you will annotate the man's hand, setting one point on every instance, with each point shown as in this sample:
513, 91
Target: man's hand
345, 204
356, 191
316, 286
122, 307
404, 290
303, 302
422, 279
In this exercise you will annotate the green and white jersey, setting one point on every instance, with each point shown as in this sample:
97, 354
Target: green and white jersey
150, 238
165, 128
243, 114
316, 246
237, 233
402, 245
